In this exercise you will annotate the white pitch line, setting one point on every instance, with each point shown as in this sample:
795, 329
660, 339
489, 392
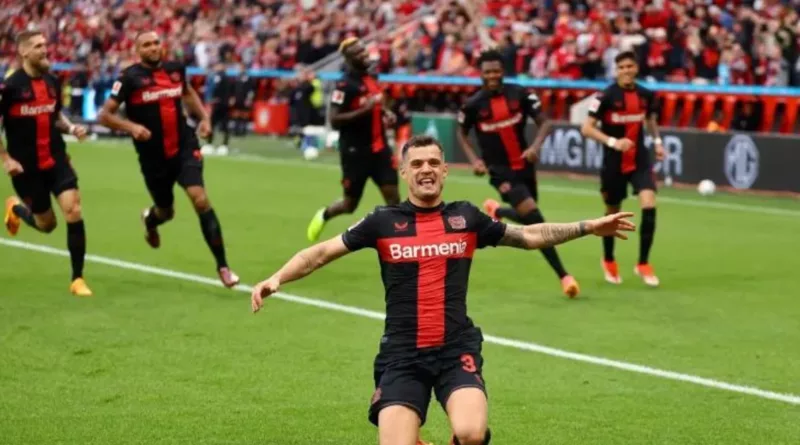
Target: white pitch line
517, 344
578, 191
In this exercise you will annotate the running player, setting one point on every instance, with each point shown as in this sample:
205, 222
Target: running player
622, 109
154, 93
36, 160
425, 248
499, 114
358, 113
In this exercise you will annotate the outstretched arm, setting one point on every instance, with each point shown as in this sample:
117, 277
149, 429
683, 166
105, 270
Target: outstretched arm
300, 265
538, 236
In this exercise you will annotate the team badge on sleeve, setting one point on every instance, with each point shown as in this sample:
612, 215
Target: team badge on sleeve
337, 97
116, 87
535, 102
461, 117
594, 104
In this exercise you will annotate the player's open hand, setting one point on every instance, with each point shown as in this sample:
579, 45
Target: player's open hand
611, 225
204, 128
624, 144
263, 290
12, 167
479, 167
659, 152
531, 154
140, 133
80, 132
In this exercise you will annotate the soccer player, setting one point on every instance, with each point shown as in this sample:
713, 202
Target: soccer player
499, 112
425, 248
623, 109
36, 160
154, 92
358, 113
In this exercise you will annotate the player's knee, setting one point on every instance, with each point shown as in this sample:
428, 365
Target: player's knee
47, 226
72, 213
165, 214
201, 203
470, 434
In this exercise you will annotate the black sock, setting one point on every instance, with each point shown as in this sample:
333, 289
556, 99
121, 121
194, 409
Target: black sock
26, 215
549, 253
608, 248
212, 232
646, 234
508, 213
76, 243
152, 220
325, 215
226, 135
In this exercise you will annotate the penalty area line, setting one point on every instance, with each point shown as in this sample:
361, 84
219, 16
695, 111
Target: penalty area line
516, 344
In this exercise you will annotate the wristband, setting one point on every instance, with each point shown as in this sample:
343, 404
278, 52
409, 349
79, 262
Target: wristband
582, 228
612, 142
71, 129
658, 141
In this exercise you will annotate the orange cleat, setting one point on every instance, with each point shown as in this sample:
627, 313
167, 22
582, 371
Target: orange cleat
570, 286
79, 288
490, 206
150, 235
228, 278
11, 219
645, 271
611, 271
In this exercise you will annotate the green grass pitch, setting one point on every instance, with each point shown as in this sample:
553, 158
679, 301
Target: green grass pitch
157, 360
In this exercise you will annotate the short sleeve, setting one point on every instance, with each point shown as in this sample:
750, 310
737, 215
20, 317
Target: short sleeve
121, 89
489, 231
362, 234
59, 101
466, 118
343, 95
652, 104
531, 104
598, 105
5, 96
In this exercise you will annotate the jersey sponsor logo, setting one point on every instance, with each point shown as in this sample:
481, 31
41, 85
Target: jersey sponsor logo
166, 93
337, 97
457, 222
401, 252
35, 110
623, 118
116, 87
489, 127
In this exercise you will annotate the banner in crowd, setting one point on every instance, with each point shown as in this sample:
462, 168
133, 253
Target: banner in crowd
738, 160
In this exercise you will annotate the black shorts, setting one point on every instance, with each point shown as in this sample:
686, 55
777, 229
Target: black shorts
515, 186
186, 170
358, 168
34, 187
409, 381
614, 185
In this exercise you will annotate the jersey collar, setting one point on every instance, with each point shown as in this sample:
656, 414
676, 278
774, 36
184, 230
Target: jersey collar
408, 205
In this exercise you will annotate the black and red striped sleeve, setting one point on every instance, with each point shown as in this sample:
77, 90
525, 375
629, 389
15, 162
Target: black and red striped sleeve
487, 230
362, 234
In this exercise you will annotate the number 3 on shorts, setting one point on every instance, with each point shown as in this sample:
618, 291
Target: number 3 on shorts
468, 363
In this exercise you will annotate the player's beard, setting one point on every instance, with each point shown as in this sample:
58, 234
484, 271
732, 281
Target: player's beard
153, 61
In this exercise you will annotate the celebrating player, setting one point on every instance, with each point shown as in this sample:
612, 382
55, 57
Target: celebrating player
36, 160
499, 113
621, 108
154, 92
425, 247
357, 112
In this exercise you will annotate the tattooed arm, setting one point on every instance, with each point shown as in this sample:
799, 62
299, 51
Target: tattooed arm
538, 236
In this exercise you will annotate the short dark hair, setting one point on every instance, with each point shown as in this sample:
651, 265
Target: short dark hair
24, 36
421, 140
490, 55
625, 55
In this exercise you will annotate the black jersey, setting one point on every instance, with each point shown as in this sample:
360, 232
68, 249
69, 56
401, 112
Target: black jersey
425, 257
367, 133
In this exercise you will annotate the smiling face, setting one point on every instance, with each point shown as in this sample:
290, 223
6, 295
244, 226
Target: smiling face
148, 47
492, 74
627, 69
34, 52
424, 170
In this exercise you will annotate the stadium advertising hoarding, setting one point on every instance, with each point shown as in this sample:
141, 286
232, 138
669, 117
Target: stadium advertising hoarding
739, 160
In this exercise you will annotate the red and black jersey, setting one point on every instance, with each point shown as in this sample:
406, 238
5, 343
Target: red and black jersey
425, 257
367, 133
153, 99
499, 120
30, 108
622, 112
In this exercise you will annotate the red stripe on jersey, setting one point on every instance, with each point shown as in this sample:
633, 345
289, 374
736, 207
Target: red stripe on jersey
169, 115
43, 155
430, 248
508, 134
632, 129
377, 116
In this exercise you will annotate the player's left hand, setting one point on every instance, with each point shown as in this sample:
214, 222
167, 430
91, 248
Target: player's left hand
389, 118
531, 154
611, 225
80, 132
263, 290
660, 154
204, 128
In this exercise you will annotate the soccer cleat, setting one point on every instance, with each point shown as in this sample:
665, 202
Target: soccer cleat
490, 206
422, 442
11, 219
150, 235
570, 286
611, 271
645, 271
228, 278
316, 225
79, 288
